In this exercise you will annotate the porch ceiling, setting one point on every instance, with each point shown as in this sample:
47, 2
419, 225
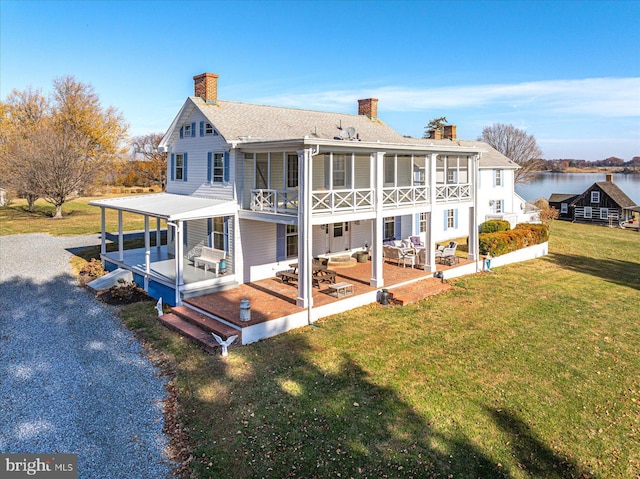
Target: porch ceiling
169, 206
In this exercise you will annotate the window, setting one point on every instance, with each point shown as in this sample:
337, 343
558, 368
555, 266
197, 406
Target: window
451, 218
423, 222
451, 176
292, 171
218, 168
208, 129
339, 172
497, 177
389, 227
218, 233
587, 211
564, 208
498, 206
595, 197
179, 168
389, 170
187, 130
292, 241
604, 213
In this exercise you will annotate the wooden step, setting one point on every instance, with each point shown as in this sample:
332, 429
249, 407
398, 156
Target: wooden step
206, 323
190, 331
418, 291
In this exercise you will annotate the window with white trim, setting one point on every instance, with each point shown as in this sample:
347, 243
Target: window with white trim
292, 241
564, 208
339, 171
187, 130
451, 218
497, 177
389, 227
595, 197
217, 170
218, 232
179, 168
588, 211
423, 222
208, 129
604, 213
292, 171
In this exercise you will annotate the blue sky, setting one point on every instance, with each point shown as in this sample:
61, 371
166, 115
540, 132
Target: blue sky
566, 72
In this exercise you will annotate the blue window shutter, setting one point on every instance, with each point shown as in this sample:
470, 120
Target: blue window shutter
226, 167
193, 129
182, 132
416, 224
226, 234
398, 228
281, 242
202, 128
455, 218
479, 178
173, 166
209, 232
184, 168
494, 178
502, 206
446, 217
209, 166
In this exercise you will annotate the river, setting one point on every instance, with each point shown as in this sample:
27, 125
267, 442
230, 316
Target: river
547, 183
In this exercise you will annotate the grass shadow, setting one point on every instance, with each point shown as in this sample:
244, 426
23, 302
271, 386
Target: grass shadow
534, 457
618, 271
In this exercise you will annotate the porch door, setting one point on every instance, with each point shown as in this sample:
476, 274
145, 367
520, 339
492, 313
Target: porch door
338, 237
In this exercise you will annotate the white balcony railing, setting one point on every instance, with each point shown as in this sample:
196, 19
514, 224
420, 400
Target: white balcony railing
334, 201
395, 197
460, 192
275, 201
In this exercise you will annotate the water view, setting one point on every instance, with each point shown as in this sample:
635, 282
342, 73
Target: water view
546, 184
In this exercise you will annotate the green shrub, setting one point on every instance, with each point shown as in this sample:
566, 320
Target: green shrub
523, 235
492, 226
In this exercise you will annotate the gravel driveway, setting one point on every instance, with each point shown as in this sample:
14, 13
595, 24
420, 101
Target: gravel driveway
72, 379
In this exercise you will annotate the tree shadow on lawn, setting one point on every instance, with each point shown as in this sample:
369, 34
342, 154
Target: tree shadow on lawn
531, 454
290, 418
625, 273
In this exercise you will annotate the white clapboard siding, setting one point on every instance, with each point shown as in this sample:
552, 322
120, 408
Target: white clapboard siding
360, 233
259, 250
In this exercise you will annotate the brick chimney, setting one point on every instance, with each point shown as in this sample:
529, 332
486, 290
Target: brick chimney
205, 86
435, 134
450, 132
369, 107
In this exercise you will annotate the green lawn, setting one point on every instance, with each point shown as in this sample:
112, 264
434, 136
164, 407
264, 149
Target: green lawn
78, 218
531, 372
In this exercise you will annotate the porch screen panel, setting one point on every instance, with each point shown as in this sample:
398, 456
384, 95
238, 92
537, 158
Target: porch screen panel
362, 174
404, 170
276, 181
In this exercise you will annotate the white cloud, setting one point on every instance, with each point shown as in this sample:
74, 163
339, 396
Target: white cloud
602, 97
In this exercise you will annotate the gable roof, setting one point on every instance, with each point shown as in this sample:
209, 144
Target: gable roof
562, 197
614, 192
247, 122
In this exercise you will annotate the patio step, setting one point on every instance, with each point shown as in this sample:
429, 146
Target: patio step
198, 327
418, 291
190, 331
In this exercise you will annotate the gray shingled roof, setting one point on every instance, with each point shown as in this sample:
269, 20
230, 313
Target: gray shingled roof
241, 121
615, 193
562, 197
237, 121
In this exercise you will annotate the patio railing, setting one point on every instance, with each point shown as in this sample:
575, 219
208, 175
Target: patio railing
459, 192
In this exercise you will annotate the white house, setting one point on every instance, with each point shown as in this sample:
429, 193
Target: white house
272, 185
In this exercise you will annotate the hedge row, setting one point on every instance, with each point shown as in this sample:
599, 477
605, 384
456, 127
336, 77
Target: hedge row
521, 236
492, 226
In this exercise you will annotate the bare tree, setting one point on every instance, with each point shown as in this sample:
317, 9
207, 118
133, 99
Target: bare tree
55, 149
516, 145
150, 164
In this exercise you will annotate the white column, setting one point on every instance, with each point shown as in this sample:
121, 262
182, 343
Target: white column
147, 253
473, 214
120, 237
377, 225
305, 256
103, 238
431, 225
178, 250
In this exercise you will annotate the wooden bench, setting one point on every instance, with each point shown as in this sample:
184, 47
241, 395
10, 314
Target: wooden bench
287, 277
210, 257
340, 290
323, 276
